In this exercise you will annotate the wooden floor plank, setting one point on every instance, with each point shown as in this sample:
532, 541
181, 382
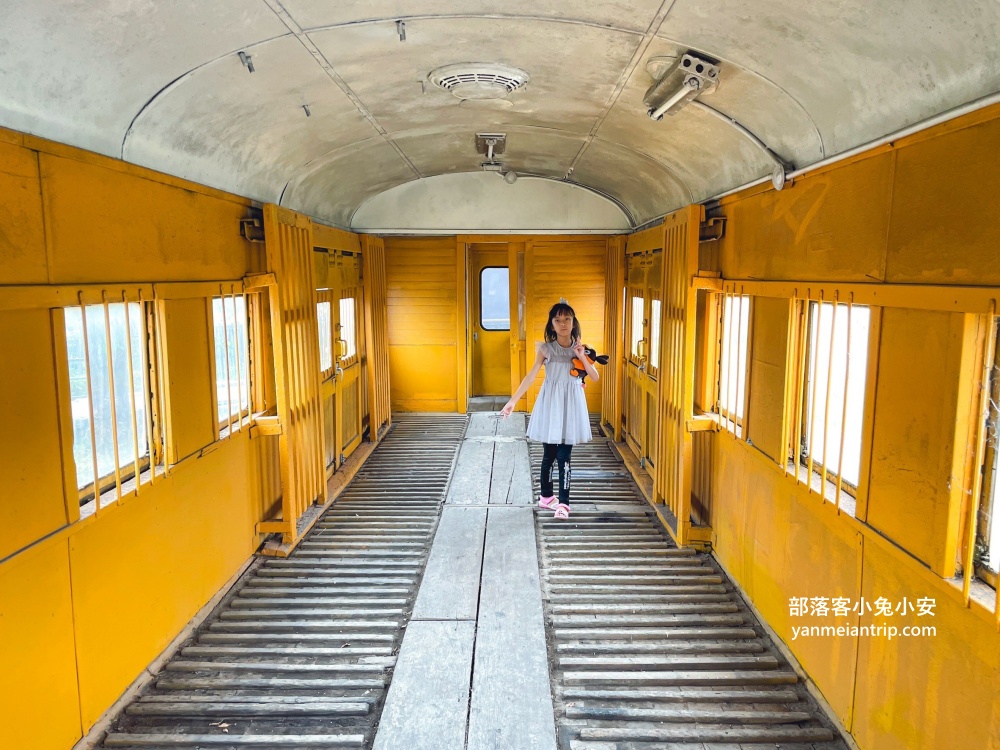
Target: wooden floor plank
246, 740
511, 482
425, 708
483, 424
450, 586
511, 697
470, 485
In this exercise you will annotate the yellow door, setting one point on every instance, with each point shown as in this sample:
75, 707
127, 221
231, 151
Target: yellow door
642, 343
489, 320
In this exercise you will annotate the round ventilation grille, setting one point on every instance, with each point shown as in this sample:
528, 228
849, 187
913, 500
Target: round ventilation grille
479, 80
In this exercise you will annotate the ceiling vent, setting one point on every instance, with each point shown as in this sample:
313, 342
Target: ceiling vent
479, 80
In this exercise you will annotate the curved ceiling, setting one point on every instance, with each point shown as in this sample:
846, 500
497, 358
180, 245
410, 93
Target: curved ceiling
161, 83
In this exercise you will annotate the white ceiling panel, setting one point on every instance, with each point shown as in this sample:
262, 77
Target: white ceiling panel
528, 151
248, 132
621, 14
573, 69
693, 142
809, 81
861, 69
78, 71
479, 202
641, 184
335, 185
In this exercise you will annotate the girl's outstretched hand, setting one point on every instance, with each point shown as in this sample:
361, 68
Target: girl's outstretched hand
507, 409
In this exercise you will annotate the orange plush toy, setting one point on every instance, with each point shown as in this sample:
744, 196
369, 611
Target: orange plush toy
578, 370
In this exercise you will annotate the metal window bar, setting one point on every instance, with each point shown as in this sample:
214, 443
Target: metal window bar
727, 352
111, 389
843, 413
728, 302
131, 391
90, 405
812, 407
147, 399
787, 398
239, 361
740, 364
977, 482
826, 406
720, 301
802, 321
225, 344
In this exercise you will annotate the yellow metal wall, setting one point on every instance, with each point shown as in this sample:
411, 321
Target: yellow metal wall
920, 211
426, 280
423, 286
84, 607
572, 268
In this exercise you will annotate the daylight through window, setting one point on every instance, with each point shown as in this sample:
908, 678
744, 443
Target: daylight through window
232, 356
106, 350
733, 359
835, 393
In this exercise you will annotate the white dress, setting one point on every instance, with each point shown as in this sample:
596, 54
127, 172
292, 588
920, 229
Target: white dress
560, 413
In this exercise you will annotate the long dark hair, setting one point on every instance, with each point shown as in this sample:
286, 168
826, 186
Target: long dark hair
561, 308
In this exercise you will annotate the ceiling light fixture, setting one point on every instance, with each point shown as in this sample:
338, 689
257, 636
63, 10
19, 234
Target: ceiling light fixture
691, 77
401, 30
479, 81
491, 145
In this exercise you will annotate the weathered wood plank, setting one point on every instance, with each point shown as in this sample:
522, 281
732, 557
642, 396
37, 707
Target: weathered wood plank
482, 424
223, 708
683, 695
278, 683
687, 715
450, 586
514, 426
471, 481
511, 481
511, 697
425, 708
638, 679
668, 661
708, 734
246, 740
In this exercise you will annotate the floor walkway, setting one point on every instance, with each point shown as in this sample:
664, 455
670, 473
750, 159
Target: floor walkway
433, 608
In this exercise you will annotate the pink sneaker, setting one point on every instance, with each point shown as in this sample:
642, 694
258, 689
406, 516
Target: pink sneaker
562, 511
547, 502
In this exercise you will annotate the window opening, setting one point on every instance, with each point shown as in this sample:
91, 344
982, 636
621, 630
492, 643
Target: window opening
837, 362
987, 552
325, 336
654, 336
638, 305
232, 354
733, 359
494, 299
106, 347
348, 328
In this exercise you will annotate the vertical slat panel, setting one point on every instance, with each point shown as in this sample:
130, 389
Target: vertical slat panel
295, 334
614, 341
376, 333
674, 450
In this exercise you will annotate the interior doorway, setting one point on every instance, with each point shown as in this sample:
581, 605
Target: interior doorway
489, 319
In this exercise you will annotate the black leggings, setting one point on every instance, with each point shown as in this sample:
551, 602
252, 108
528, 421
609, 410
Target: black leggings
559, 453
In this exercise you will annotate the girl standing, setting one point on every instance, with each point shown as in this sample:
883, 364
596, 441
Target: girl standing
559, 420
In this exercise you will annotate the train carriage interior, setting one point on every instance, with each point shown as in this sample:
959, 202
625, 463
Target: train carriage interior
270, 270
